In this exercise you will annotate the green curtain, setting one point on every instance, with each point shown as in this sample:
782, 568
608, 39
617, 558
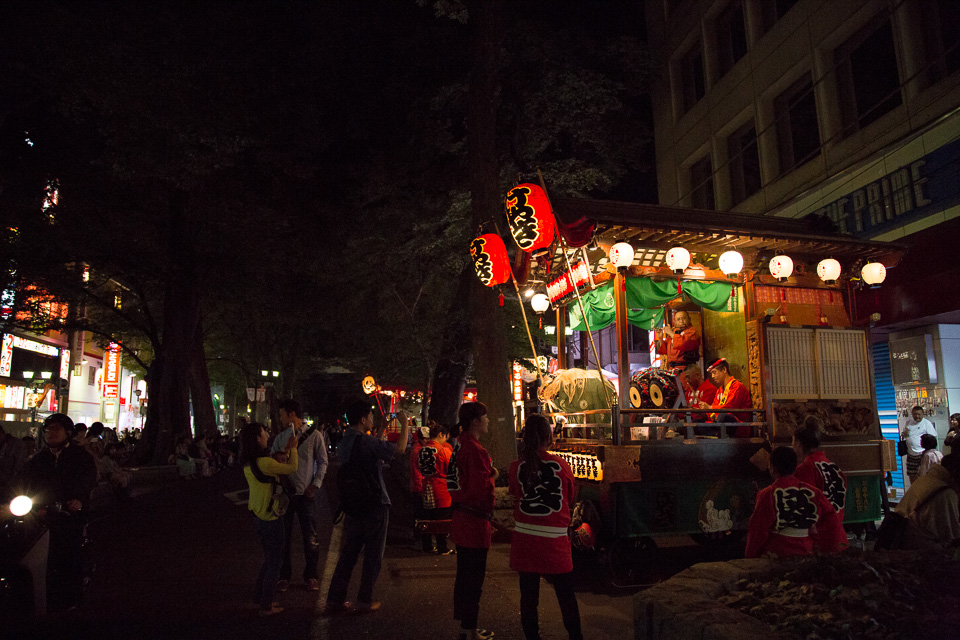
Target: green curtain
710, 295
645, 300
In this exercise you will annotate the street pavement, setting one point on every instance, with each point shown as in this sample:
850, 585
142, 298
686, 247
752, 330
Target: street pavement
180, 562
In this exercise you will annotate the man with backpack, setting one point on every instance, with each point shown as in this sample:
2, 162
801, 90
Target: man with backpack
365, 504
302, 486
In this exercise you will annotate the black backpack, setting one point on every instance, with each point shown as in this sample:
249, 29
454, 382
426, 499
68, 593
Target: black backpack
357, 487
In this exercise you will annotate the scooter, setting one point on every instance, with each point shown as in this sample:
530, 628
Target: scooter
24, 547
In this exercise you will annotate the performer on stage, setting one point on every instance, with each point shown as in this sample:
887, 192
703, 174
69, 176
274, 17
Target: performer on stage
679, 344
731, 394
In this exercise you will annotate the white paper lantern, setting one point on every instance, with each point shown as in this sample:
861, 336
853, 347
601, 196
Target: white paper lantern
781, 267
621, 254
873, 273
731, 263
678, 259
829, 270
540, 303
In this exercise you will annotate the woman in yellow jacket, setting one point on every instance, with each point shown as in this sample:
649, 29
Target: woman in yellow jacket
254, 451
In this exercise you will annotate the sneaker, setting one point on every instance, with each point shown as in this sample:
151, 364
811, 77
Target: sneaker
483, 633
333, 608
313, 584
367, 607
283, 585
445, 552
274, 609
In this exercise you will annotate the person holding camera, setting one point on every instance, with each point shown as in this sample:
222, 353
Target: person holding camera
365, 532
302, 486
262, 472
60, 479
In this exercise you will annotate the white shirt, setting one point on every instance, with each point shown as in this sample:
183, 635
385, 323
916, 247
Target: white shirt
912, 431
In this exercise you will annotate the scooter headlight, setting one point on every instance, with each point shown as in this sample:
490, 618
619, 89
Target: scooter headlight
20, 506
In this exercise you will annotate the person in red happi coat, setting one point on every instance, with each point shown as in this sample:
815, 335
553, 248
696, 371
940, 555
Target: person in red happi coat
789, 514
543, 491
731, 394
816, 469
470, 478
432, 460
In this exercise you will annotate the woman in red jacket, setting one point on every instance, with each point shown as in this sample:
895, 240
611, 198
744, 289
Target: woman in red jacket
470, 478
543, 490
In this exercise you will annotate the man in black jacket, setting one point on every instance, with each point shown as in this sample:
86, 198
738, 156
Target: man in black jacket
59, 480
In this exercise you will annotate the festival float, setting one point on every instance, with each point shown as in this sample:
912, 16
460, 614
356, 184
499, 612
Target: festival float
774, 299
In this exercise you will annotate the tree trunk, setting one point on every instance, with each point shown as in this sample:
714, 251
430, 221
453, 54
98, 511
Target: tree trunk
204, 420
168, 413
491, 363
456, 356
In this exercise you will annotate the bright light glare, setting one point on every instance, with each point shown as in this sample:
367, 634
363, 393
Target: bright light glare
20, 506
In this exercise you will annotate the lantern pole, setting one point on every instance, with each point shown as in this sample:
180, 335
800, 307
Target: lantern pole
576, 289
526, 324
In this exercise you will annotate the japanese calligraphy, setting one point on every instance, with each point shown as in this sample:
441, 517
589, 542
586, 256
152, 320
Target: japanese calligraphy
795, 508
481, 260
833, 486
546, 495
453, 475
427, 462
522, 217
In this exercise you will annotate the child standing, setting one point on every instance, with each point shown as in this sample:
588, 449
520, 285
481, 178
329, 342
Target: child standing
543, 490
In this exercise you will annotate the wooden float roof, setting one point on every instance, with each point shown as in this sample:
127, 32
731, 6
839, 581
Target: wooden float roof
656, 228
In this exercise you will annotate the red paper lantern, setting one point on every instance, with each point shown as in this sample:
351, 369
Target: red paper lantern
530, 216
490, 259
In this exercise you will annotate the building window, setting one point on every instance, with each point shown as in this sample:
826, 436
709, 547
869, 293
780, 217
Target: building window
731, 36
92, 376
868, 83
744, 163
798, 130
692, 81
942, 22
701, 184
773, 10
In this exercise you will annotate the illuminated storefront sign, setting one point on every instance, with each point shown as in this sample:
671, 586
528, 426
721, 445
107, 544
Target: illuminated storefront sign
517, 380
6, 355
111, 371
36, 347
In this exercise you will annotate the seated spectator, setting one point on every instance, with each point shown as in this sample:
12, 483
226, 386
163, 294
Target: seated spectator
930, 455
930, 507
791, 517
111, 471
181, 457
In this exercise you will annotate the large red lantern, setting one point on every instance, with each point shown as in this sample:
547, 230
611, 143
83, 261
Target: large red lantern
490, 259
530, 216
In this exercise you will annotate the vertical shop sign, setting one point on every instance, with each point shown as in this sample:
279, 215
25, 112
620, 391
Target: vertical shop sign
111, 371
6, 355
517, 380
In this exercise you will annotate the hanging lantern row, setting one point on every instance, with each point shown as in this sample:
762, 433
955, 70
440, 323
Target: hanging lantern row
531, 219
731, 263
